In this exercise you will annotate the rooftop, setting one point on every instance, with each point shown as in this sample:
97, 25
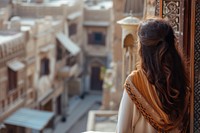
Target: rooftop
99, 5
8, 36
50, 2
68, 2
28, 21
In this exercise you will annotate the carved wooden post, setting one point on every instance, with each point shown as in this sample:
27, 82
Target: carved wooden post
173, 11
195, 65
129, 44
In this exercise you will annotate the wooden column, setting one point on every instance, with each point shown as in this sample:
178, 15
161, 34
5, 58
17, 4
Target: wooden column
195, 66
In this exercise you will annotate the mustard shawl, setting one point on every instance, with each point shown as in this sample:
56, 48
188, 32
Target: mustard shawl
144, 95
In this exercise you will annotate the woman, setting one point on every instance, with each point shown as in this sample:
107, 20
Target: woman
156, 96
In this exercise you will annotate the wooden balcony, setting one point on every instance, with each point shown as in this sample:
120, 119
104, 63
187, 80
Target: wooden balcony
13, 101
31, 95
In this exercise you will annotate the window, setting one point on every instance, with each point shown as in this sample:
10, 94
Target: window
59, 52
72, 29
12, 79
96, 38
44, 69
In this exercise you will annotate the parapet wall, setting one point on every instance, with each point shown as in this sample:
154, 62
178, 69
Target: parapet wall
37, 10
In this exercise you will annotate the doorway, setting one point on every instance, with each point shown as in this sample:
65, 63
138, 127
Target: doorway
96, 82
58, 103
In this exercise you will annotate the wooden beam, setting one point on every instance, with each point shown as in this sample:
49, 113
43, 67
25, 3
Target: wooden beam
161, 8
192, 65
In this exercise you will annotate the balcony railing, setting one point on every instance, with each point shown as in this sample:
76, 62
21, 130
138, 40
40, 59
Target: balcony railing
12, 99
107, 115
36, 10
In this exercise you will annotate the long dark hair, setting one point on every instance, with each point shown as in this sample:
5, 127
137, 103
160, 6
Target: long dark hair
163, 65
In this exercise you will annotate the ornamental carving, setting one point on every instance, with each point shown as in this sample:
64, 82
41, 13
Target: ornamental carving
157, 10
171, 11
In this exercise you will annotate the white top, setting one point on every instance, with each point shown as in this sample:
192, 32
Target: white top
129, 118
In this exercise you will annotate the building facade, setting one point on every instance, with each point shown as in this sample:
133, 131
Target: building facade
50, 52
13, 71
39, 59
98, 38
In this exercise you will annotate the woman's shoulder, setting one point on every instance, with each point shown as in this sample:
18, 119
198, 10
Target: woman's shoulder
133, 80
135, 76
134, 73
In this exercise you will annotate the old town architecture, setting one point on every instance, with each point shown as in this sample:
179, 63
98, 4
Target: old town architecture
52, 51
43, 58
